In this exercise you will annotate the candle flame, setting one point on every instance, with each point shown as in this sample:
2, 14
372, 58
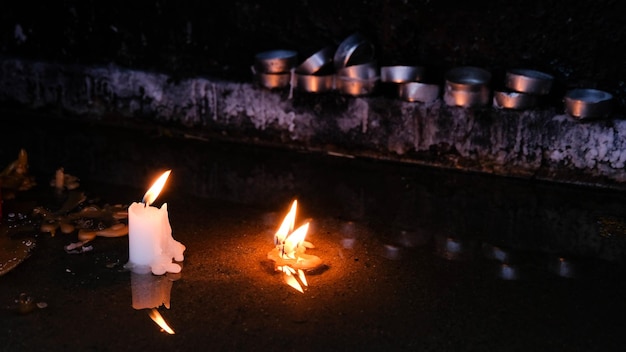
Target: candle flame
287, 225
288, 253
158, 318
294, 240
156, 188
288, 239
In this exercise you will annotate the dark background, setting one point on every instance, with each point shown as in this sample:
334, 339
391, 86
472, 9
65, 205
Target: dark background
580, 42
365, 300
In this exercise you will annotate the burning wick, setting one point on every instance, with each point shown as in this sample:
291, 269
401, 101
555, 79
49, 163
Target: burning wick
288, 255
154, 190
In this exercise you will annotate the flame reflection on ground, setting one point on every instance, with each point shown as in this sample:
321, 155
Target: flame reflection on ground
158, 319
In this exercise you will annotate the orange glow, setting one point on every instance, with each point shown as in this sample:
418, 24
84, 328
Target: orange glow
288, 255
157, 318
156, 188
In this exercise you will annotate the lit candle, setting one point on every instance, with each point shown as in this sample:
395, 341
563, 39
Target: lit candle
288, 254
151, 246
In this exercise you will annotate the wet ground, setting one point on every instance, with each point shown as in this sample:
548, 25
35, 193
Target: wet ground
415, 258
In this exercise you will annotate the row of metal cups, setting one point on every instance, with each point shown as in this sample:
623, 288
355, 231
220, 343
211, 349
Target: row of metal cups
469, 87
351, 69
276, 69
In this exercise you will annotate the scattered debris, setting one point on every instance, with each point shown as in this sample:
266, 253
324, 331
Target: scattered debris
13, 252
25, 304
72, 215
89, 222
78, 247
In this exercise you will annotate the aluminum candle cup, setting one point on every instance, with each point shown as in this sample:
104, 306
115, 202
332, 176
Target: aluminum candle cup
316, 62
417, 91
355, 86
353, 50
467, 78
315, 84
363, 71
401, 74
467, 87
274, 80
513, 100
528, 81
275, 61
465, 98
588, 103
357, 79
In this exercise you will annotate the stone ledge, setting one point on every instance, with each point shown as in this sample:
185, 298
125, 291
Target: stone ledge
541, 143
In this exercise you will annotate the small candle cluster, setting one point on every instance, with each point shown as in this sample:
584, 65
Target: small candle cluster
288, 254
151, 246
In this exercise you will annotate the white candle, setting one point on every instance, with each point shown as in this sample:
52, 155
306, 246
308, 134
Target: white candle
151, 246
146, 229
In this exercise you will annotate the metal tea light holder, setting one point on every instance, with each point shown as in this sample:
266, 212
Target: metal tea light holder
584, 104
467, 86
314, 75
523, 89
273, 69
407, 83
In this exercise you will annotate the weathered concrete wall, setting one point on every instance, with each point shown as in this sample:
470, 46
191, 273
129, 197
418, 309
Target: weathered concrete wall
541, 143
